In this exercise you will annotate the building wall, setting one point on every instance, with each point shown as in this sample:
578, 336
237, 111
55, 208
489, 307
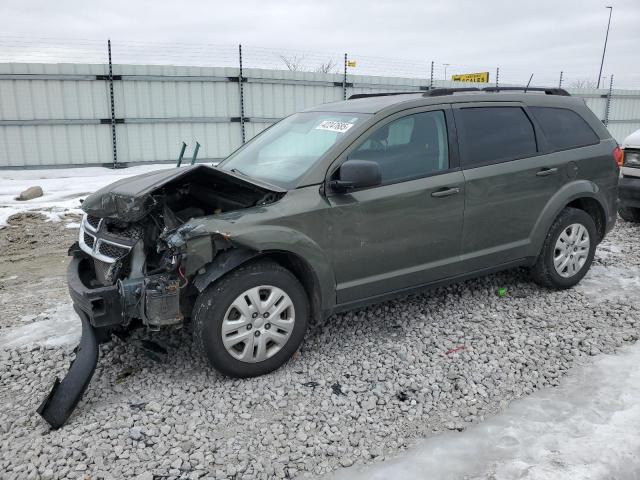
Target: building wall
60, 114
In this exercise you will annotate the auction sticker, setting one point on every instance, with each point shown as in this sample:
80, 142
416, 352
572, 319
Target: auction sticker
334, 126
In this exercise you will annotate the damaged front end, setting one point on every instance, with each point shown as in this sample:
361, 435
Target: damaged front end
126, 269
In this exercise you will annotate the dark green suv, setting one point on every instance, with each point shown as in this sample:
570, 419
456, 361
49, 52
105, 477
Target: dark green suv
336, 207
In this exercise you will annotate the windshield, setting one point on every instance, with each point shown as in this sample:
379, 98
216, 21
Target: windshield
282, 154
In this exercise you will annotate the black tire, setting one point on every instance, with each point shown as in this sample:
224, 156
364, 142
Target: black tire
629, 214
544, 272
212, 305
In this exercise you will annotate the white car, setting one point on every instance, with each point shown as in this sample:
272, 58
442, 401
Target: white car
629, 186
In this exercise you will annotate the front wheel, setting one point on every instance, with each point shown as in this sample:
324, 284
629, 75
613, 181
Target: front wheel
567, 251
252, 320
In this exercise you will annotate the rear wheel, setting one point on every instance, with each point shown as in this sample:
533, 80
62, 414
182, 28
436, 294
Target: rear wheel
567, 251
252, 320
629, 214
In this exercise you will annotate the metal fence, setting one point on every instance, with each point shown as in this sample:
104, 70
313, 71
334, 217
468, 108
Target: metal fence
60, 114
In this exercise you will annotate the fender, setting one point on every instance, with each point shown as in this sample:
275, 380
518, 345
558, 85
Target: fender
222, 263
568, 193
261, 240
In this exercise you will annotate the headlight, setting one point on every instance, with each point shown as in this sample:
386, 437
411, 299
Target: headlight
631, 158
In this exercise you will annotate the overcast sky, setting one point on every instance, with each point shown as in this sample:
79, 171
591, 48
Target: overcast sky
541, 36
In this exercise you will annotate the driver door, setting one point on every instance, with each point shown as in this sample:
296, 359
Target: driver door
407, 231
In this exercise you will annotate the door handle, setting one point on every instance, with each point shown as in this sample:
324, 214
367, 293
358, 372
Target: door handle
545, 172
445, 192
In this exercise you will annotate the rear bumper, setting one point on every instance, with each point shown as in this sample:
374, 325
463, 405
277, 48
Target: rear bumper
103, 305
629, 192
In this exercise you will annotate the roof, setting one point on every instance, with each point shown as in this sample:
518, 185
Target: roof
375, 104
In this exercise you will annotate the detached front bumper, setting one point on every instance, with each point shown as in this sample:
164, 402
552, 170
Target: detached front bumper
65, 395
629, 192
97, 308
102, 305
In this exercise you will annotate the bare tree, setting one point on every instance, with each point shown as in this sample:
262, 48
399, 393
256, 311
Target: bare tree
582, 84
327, 67
293, 62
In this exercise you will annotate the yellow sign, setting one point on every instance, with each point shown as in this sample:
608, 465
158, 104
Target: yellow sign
351, 63
482, 77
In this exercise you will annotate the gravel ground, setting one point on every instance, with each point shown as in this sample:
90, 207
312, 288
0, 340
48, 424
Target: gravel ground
364, 387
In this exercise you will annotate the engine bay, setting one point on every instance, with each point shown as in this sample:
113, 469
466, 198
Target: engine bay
124, 233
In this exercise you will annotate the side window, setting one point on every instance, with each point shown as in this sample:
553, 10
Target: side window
409, 147
493, 135
564, 128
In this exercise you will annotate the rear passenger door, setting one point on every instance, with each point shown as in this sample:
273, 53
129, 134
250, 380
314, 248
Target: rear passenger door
508, 181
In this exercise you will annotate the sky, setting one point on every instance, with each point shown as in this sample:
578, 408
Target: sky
541, 37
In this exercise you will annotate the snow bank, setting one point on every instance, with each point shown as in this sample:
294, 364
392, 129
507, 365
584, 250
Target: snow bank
587, 428
56, 326
63, 188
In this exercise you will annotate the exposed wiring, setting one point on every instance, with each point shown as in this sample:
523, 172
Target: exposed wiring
181, 273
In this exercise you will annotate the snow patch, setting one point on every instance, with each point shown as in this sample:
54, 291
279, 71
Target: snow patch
606, 250
584, 429
609, 283
56, 326
63, 188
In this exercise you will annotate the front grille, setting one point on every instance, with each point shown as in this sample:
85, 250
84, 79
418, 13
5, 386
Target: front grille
93, 221
112, 251
102, 270
88, 240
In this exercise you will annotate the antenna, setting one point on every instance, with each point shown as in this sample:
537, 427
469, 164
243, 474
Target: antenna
528, 83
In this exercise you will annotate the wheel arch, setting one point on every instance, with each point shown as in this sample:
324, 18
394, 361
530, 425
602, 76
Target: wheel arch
595, 210
229, 260
583, 195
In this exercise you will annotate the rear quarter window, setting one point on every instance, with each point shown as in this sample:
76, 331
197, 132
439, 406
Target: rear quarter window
494, 134
564, 128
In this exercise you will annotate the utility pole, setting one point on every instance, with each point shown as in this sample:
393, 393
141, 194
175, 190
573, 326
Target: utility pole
604, 50
445, 70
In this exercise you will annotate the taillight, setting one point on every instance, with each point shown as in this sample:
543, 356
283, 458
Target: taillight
618, 156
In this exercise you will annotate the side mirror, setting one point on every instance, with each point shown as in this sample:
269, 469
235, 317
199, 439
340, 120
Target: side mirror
354, 174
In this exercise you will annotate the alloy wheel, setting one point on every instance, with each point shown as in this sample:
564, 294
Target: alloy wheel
571, 250
258, 323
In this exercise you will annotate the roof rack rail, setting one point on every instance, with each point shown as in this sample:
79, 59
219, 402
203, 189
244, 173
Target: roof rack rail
547, 91
437, 92
380, 94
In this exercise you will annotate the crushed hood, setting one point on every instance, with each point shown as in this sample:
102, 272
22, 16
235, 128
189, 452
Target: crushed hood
130, 199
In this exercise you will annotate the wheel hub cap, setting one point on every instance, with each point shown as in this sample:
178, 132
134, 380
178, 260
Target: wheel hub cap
258, 323
571, 250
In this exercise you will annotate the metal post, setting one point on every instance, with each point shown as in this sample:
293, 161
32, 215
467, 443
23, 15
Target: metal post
605, 45
560, 82
608, 106
497, 77
195, 153
184, 147
113, 109
344, 79
431, 80
240, 83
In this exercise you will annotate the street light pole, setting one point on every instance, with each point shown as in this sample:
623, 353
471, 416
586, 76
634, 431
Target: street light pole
604, 50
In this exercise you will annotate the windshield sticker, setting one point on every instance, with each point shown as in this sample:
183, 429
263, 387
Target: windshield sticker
334, 126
